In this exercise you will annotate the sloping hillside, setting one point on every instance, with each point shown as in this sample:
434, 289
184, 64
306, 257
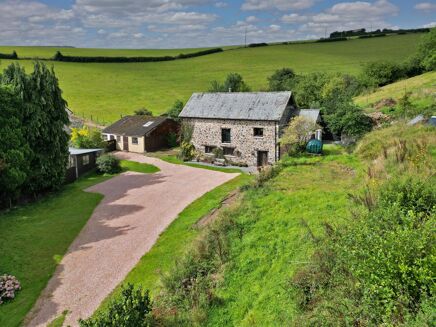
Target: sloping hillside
107, 90
422, 89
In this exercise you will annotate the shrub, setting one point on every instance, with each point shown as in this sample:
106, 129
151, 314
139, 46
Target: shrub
256, 45
187, 151
218, 153
297, 134
9, 286
380, 73
87, 138
143, 112
108, 164
132, 309
9, 56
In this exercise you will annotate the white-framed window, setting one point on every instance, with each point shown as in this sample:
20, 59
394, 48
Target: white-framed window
105, 137
134, 140
71, 162
85, 160
118, 138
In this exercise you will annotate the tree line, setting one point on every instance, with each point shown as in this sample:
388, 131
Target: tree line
34, 143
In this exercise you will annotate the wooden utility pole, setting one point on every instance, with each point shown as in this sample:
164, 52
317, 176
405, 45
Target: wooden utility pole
245, 42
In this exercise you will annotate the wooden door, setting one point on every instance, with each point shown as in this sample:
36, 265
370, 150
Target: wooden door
262, 158
125, 143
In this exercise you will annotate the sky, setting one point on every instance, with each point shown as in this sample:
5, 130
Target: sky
197, 23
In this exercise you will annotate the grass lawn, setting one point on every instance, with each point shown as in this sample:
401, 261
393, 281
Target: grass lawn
106, 91
174, 240
422, 90
138, 167
255, 288
34, 238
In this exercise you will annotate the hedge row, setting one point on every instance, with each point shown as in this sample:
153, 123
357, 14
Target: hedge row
256, 45
13, 55
60, 57
336, 39
372, 35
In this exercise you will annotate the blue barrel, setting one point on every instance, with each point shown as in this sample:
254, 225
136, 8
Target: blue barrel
314, 146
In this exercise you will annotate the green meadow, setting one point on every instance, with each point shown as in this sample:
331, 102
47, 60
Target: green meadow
107, 91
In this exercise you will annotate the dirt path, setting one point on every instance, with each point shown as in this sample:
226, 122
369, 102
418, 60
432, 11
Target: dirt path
124, 226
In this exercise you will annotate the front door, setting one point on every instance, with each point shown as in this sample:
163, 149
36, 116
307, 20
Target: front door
262, 158
125, 143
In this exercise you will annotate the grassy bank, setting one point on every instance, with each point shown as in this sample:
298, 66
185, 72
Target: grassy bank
106, 91
421, 88
138, 167
174, 240
34, 238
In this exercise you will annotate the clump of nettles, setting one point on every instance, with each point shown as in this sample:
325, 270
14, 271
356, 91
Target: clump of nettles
9, 286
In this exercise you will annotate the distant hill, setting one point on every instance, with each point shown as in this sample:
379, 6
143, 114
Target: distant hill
107, 90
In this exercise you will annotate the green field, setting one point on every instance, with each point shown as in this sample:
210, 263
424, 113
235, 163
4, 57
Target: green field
49, 52
422, 89
106, 91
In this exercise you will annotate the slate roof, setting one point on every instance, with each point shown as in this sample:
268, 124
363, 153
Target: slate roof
134, 125
311, 114
245, 105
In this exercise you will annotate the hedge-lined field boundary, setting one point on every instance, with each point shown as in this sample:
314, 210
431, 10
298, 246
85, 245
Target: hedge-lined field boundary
100, 59
13, 55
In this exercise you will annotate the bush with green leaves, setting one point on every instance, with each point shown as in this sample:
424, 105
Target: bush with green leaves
108, 164
380, 73
233, 83
143, 112
379, 268
282, 80
131, 309
187, 151
175, 110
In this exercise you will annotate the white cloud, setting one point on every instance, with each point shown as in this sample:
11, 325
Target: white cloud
425, 6
430, 25
251, 19
221, 4
277, 4
294, 18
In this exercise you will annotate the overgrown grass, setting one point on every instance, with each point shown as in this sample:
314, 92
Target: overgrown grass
421, 88
138, 167
107, 90
34, 238
174, 240
373, 144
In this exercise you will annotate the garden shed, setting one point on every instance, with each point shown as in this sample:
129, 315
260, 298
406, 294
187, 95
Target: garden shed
81, 161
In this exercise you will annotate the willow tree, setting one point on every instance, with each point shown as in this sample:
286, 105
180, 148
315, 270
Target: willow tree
43, 119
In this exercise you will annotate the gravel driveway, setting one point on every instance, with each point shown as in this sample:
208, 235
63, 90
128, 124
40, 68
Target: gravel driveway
136, 208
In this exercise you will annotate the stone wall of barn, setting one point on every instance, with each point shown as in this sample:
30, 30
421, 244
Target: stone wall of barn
207, 132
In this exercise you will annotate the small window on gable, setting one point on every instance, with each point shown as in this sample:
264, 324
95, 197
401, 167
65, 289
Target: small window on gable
134, 140
225, 135
209, 149
228, 151
85, 160
258, 132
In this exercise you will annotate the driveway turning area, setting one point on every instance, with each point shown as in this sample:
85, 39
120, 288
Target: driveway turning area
136, 208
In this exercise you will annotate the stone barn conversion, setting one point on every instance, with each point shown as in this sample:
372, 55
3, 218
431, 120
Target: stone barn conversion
140, 133
247, 126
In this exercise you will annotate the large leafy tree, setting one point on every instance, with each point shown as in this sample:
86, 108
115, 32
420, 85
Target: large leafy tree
233, 83
14, 149
282, 80
44, 119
